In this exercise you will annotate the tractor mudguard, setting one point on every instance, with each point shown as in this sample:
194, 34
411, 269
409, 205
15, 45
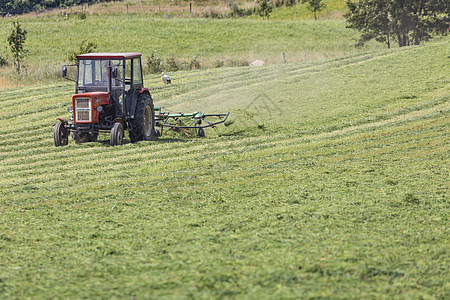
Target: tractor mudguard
131, 100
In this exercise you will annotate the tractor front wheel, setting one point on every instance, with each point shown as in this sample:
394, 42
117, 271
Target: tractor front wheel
60, 135
143, 124
116, 135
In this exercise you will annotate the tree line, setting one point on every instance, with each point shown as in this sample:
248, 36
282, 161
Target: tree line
16, 7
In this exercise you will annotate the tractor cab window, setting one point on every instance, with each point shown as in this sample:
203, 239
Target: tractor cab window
137, 72
133, 73
128, 71
118, 80
93, 73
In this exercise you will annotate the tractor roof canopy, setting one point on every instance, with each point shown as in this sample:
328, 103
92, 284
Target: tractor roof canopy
108, 55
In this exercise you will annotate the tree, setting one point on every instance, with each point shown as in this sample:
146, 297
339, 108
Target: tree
315, 6
16, 40
407, 22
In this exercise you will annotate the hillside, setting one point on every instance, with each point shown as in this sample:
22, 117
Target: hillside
330, 181
213, 42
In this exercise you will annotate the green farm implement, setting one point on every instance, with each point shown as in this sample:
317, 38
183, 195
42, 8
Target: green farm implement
185, 121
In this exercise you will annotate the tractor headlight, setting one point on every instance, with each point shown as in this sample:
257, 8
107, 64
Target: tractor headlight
70, 109
100, 108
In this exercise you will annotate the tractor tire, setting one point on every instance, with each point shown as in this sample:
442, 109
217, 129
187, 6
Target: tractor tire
116, 135
143, 124
200, 132
60, 135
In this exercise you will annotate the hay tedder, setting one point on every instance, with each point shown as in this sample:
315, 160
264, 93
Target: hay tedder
109, 96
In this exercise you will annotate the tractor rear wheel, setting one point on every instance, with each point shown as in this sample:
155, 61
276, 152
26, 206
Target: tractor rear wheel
60, 135
116, 135
143, 124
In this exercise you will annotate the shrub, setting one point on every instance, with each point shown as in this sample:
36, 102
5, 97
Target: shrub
154, 64
281, 3
264, 8
85, 47
171, 64
3, 61
218, 63
212, 14
194, 64
82, 15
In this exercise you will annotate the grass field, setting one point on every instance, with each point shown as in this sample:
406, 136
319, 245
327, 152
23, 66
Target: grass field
329, 182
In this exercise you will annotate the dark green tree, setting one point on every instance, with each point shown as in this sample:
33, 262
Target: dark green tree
315, 6
407, 22
16, 40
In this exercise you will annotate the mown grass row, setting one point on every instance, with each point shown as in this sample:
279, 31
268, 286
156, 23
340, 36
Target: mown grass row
345, 197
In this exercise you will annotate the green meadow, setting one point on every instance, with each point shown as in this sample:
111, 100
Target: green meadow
214, 42
328, 181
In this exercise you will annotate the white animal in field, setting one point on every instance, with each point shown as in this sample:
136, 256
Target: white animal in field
165, 79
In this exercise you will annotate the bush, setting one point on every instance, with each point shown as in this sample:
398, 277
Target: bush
212, 14
264, 8
194, 64
171, 64
85, 47
154, 64
82, 15
3, 61
281, 3
218, 63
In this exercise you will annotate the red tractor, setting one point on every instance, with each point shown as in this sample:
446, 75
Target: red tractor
109, 96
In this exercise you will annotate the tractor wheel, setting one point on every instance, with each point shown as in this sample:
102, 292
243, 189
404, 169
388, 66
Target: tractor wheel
60, 135
116, 135
143, 123
200, 132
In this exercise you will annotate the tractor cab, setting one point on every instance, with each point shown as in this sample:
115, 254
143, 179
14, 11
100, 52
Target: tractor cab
117, 74
102, 71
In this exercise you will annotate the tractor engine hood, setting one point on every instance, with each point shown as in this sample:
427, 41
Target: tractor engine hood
87, 106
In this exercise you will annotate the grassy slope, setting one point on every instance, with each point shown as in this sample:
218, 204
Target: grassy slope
182, 37
51, 38
345, 196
